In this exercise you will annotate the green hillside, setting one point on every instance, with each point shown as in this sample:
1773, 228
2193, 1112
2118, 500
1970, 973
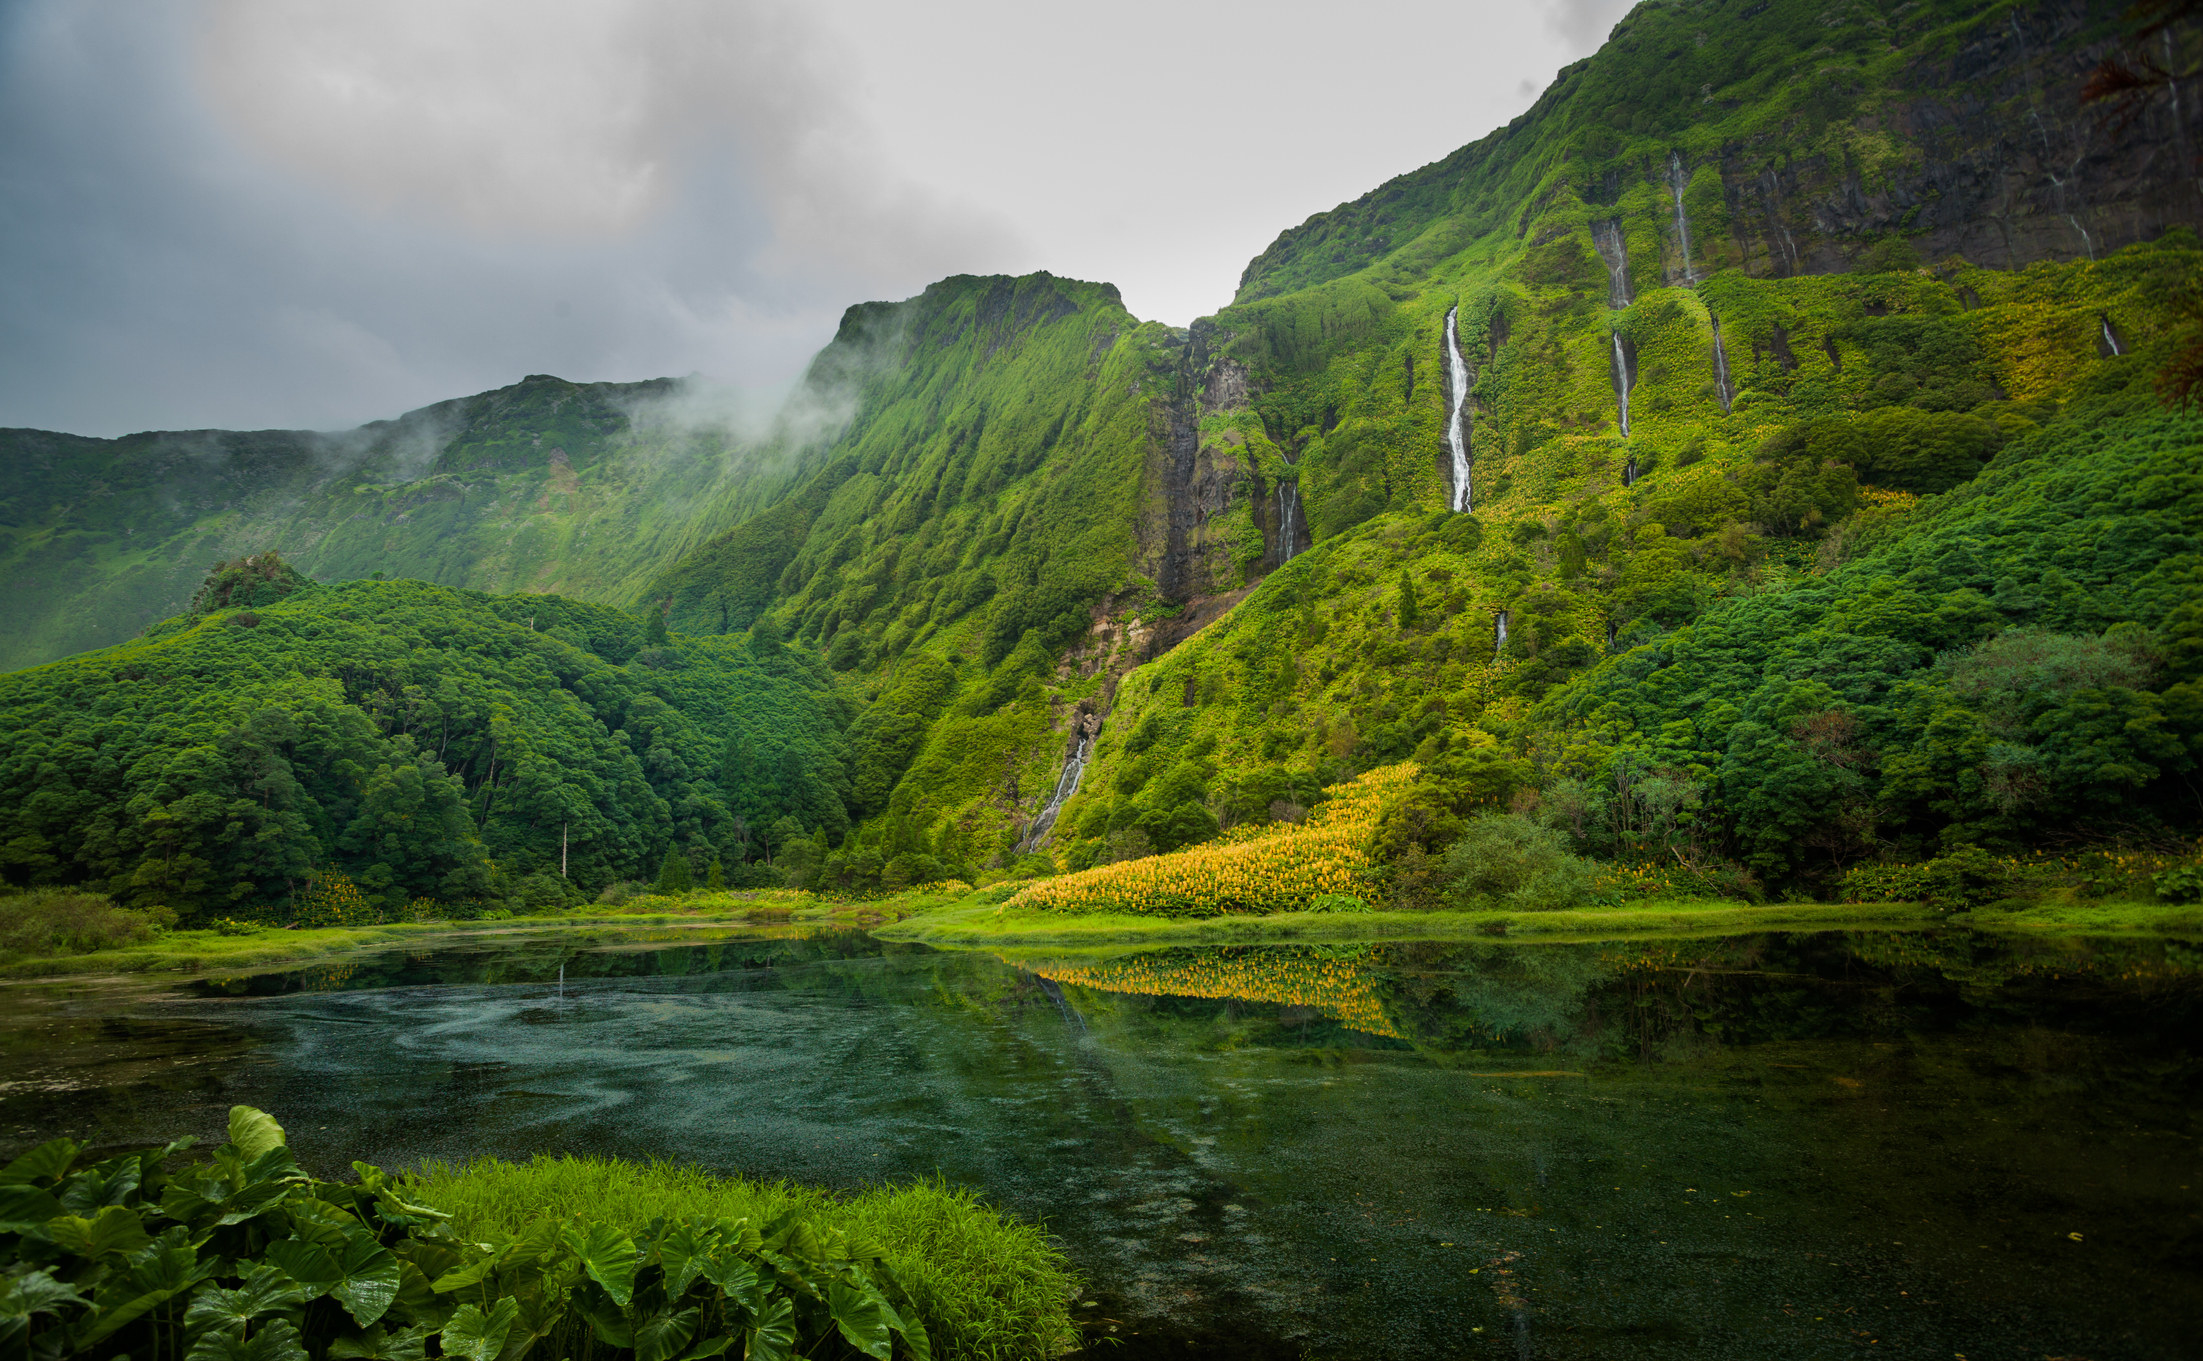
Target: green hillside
582, 488
1747, 461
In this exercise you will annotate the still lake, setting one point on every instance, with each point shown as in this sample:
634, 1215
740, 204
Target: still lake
1922, 1144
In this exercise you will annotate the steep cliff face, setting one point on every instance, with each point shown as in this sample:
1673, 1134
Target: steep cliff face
1806, 137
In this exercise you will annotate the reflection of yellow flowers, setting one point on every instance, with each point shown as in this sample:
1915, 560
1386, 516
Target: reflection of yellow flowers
1271, 869
1328, 983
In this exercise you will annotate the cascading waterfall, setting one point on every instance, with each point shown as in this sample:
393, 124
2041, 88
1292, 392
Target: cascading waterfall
1066, 785
2111, 340
1288, 518
1457, 420
1621, 381
1629, 471
1607, 236
1499, 633
1724, 386
1676, 181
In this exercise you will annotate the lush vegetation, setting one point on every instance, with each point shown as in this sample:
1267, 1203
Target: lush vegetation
243, 1255
582, 488
383, 750
981, 1285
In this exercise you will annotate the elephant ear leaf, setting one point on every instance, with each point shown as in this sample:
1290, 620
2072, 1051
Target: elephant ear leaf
254, 1132
277, 1340
309, 1264
367, 1279
737, 1278
114, 1229
23, 1206
477, 1335
773, 1337
44, 1163
610, 1257
34, 1292
862, 1316
662, 1336
682, 1251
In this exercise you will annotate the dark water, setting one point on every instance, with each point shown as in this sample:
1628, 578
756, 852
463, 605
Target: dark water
1919, 1145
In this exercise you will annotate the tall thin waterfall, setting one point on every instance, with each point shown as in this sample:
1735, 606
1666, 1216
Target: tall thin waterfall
1066, 785
1621, 381
1723, 385
1676, 180
1457, 419
1607, 236
1288, 518
1499, 633
2111, 340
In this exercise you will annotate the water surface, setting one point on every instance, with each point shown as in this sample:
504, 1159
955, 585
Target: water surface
1805, 1145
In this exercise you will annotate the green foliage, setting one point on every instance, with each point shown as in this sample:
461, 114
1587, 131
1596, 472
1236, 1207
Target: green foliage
245, 1255
1507, 860
54, 921
427, 743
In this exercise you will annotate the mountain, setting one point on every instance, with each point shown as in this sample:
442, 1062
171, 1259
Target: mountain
1747, 459
583, 488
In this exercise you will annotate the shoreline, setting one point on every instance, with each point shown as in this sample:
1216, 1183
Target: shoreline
950, 926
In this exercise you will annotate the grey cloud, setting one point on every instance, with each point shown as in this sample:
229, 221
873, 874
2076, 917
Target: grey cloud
253, 260
1584, 24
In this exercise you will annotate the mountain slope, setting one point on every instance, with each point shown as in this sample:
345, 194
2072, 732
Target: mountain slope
544, 485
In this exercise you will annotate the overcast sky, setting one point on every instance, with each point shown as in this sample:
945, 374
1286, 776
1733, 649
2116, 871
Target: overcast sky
252, 213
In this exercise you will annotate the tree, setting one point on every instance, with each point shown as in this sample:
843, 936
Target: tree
674, 875
1411, 609
716, 879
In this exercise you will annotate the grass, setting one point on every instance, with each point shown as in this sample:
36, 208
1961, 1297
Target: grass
59, 922
985, 1285
985, 924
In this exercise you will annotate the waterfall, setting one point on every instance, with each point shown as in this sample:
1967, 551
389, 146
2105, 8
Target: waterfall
1288, 519
1607, 236
1723, 385
1629, 471
1676, 180
1621, 382
1499, 633
1457, 420
2111, 341
1066, 785
1611, 632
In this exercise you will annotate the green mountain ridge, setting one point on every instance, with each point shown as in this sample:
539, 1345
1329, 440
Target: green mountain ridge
1818, 510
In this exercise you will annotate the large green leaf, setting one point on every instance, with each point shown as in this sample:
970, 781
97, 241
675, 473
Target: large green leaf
727, 1270
35, 1292
473, 1273
309, 1264
662, 1336
610, 1257
862, 1316
254, 1132
477, 1335
710, 1347
682, 1252
276, 1340
24, 1207
605, 1316
169, 1262
95, 1188
115, 1230
368, 1279
417, 1300
44, 1163
772, 1337
263, 1291
375, 1344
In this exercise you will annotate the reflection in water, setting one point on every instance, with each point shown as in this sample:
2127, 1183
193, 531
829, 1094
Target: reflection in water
1776, 1145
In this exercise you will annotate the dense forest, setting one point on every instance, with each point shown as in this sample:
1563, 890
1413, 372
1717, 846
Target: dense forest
1765, 458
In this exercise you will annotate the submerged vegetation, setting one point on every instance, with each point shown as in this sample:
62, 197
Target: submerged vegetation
245, 1255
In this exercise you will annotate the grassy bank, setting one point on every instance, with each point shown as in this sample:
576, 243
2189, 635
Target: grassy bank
987, 924
985, 1285
133, 947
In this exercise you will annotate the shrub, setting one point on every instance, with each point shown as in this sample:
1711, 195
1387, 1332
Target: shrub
231, 1256
67, 921
618, 894
1511, 860
1878, 883
1336, 902
2181, 885
1965, 878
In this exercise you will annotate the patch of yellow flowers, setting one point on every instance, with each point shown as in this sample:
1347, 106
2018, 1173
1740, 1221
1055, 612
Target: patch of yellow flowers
1327, 982
1275, 869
